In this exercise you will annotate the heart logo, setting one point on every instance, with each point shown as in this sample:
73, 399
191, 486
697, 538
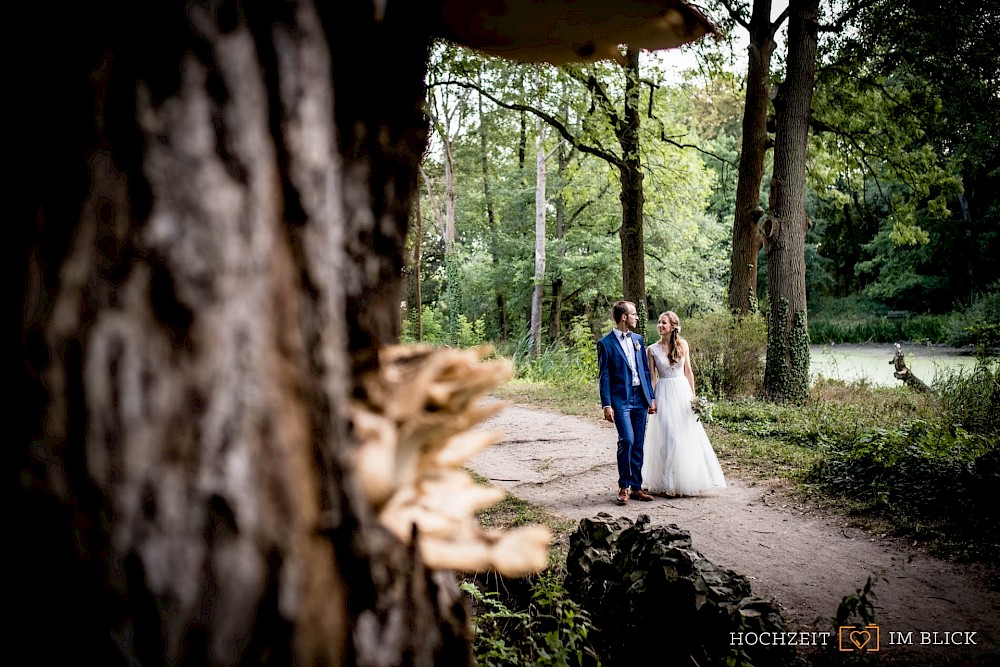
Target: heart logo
858, 635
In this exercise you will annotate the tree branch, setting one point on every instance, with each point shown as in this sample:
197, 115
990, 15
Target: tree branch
664, 138
778, 21
582, 207
549, 119
847, 16
598, 93
735, 14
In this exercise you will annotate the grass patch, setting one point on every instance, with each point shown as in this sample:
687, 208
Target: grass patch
569, 399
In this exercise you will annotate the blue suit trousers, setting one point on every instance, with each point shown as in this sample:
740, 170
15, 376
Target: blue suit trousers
631, 424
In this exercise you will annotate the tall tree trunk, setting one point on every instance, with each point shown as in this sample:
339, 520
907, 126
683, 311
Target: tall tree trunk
522, 143
540, 205
746, 239
418, 296
630, 172
449, 195
786, 374
562, 158
555, 310
212, 203
491, 218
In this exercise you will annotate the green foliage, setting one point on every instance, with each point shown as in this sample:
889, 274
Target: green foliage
469, 334
552, 631
979, 324
879, 329
560, 364
857, 607
972, 399
862, 320
643, 317
932, 476
727, 353
433, 324
857, 610
437, 331
583, 347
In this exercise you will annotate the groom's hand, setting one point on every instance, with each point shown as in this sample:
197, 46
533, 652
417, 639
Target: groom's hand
652, 407
609, 414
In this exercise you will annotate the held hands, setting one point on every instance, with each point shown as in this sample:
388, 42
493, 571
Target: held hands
652, 407
609, 414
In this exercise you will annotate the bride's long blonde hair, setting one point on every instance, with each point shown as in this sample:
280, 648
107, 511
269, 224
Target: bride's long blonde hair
673, 349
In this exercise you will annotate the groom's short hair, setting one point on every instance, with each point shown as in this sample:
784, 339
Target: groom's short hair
620, 308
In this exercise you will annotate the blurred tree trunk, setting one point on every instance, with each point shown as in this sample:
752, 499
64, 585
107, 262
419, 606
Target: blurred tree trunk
786, 374
209, 264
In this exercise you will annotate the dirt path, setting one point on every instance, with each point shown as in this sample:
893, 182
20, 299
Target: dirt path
806, 560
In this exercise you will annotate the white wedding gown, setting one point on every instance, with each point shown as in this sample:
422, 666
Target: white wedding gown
677, 456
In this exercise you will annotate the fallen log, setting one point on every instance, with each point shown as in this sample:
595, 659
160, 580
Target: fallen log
904, 373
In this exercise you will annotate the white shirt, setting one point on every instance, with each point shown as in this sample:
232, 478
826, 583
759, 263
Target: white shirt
629, 349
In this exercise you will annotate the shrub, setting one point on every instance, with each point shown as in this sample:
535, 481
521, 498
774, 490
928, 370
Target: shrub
437, 329
584, 347
928, 474
434, 327
558, 364
979, 325
727, 353
469, 334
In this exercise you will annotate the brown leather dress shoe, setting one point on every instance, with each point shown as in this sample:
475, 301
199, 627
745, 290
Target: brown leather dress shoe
639, 494
622, 496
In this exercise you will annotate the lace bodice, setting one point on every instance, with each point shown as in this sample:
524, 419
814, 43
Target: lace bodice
664, 370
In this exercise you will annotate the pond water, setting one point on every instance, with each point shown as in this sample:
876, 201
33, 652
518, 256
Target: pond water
874, 362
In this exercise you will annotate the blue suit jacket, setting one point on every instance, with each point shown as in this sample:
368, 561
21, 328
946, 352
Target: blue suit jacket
616, 376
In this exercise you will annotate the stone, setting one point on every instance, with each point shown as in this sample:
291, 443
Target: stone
655, 600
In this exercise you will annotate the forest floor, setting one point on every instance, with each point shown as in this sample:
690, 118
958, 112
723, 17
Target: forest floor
804, 556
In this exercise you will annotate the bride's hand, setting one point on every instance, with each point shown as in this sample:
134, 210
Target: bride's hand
652, 407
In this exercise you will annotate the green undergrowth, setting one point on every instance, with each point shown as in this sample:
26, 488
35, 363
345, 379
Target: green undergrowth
529, 620
532, 623
929, 474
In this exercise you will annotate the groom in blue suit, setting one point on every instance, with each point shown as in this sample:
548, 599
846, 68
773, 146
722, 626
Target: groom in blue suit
626, 396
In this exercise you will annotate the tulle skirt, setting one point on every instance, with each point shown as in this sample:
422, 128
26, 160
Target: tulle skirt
677, 456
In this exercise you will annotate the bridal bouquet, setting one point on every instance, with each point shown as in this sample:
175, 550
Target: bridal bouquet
702, 409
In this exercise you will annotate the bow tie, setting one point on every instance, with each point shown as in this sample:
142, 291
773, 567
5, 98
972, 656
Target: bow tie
627, 334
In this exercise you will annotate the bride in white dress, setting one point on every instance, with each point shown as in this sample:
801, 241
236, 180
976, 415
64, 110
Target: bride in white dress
678, 459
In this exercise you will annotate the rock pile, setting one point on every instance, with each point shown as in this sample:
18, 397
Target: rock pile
657, 601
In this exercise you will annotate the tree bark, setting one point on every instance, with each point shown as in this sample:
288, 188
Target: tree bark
746, 239
449, 195
212, 206
786, 374
632, 198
